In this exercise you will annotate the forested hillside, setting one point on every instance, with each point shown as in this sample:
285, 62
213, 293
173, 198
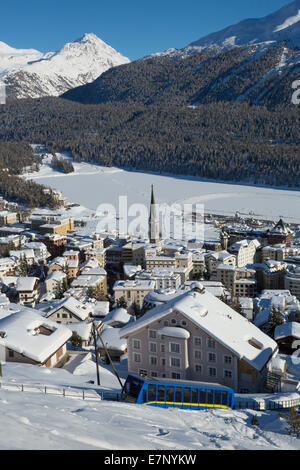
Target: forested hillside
260, 74
14, 157
226, 141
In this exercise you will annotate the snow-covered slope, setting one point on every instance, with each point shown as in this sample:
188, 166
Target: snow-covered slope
282, 25
30, 73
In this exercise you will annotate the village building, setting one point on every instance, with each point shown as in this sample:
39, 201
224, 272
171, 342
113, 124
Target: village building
280, 233
132, 292
8, 267
98, 254
27, 337
68, 310
240, 282
214, 258
55, 282
244, 251
198, 337
164, 277
292, 282
114, 344
7, 218
28, 289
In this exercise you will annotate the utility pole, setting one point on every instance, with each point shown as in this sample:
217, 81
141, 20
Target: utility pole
96, 354
111, 362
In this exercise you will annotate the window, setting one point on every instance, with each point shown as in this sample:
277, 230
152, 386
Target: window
153, 360
173, 321
10, 353
210, 397
143, 372
202, 396
212, 371
137, 357
162, 348
217, 397
198, 355
224, 398
166, 323
161, 393
152, 333
170, 394
174, 348
194, 395
64, 315
183, 323
212, 357
178, 394
227, 374
197, 341
175, 376
151, 392
152, 347
163, 362
187, 395
227, 359
136, 344
198, 368
175, 362
153, 374
211, 343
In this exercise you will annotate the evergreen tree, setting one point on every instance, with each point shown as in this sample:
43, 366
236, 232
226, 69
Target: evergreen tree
275, 320
293, 421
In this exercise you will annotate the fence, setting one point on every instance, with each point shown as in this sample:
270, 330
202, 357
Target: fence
69, 392
268, 404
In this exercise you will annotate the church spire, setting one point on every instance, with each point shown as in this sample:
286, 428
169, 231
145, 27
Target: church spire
153, 220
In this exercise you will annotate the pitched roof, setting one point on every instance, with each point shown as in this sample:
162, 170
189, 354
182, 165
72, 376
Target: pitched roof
219, 321
21, 330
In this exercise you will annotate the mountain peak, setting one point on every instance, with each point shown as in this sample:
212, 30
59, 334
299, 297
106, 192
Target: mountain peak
32, 74
282, 25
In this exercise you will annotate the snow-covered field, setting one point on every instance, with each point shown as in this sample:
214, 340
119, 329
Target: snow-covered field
49, 422
92, 185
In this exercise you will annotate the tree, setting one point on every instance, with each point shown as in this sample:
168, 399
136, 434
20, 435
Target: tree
275, 319
76, 340
121, 303
293, 421
23, 266
254, 421
97, 294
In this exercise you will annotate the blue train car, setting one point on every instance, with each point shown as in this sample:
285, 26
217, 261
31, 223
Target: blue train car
169, 393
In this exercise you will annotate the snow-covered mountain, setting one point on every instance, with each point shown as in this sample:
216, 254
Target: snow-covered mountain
32, 74
283, 25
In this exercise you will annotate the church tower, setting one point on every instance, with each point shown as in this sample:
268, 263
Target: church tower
153, 220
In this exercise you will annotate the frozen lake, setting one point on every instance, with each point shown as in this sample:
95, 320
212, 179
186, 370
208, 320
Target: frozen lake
91, 185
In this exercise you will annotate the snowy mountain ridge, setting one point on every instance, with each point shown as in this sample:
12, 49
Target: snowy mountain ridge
28, 73
282, 25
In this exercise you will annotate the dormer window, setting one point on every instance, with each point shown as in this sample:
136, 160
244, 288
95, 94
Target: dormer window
2, 334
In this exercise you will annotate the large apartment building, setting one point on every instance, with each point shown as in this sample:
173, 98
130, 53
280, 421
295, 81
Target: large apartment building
195, 336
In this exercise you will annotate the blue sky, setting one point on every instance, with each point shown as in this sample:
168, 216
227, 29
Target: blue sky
133, 27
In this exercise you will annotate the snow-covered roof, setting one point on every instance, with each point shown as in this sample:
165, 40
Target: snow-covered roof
82, 328
26, 283
56, 276
174, 332
119, 315
219, 321
287, 329
131, 269
21, 330
112, 339
80, 310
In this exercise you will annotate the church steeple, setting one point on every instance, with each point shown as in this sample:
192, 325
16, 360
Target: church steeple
153, 220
